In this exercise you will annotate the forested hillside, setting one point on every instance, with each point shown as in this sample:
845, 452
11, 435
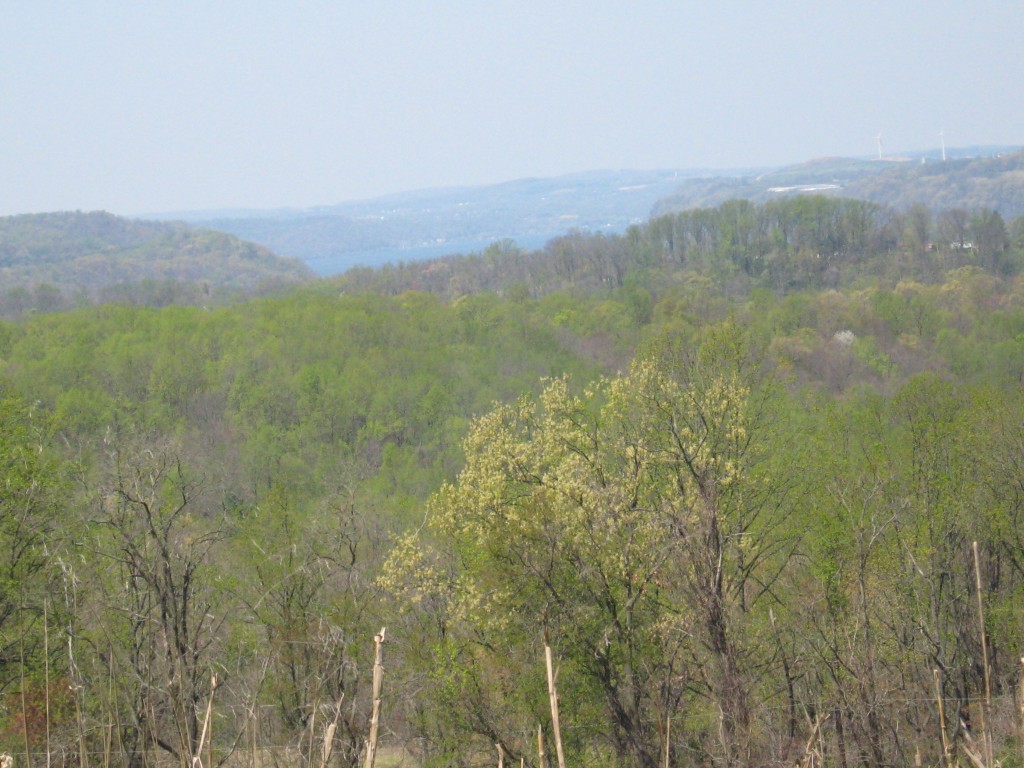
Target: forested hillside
730, 464
54, 261
791, 243
993, 180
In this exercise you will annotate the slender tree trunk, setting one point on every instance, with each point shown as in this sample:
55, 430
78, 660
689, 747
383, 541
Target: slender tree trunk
840, 737
46, 677
731, 692
24, 708
947, 752
1021, 703
986, 707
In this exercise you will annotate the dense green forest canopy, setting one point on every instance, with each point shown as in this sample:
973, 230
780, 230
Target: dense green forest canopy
733, 462
792, 243
53, 261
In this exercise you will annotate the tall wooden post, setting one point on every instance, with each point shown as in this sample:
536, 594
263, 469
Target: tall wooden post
553, 695
668, 737
197, 758
378, 681
328, 748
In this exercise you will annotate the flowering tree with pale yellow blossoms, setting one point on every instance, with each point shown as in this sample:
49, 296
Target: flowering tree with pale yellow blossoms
631, 521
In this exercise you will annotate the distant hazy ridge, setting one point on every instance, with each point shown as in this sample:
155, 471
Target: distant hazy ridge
88, 252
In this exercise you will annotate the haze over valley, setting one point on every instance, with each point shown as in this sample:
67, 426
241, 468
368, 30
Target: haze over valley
434, 223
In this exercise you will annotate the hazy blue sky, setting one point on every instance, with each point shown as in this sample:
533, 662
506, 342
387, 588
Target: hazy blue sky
151, 106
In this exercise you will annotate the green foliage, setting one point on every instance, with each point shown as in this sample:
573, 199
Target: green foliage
594, 512
31, 489
736, 482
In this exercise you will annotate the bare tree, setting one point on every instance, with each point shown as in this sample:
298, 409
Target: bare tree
312, 606
162, 600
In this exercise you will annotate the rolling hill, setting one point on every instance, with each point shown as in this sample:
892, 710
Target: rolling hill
98, 255
990, 178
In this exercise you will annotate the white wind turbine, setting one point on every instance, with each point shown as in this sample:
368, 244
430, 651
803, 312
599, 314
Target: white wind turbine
942, 139
878, 139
